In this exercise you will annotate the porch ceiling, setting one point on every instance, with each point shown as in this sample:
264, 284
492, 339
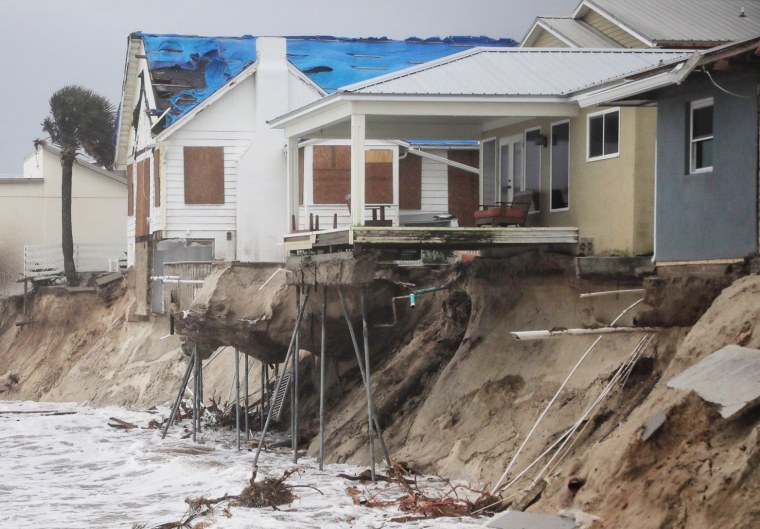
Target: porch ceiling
429, 118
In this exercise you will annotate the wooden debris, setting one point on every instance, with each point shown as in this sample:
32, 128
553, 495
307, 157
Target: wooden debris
113, 422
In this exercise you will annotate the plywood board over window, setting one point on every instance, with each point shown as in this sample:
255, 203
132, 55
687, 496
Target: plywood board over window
332, 175
204, 175
410, 182
143, 198
130, 191
379, 176
464, 189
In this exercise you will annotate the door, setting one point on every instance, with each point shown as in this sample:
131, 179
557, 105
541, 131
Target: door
463, 187
511, 167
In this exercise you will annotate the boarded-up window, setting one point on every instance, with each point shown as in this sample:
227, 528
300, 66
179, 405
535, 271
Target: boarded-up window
378, 167
332, 175
204, 175
410, 182
463, 187
130, 192
156, 177
142, 206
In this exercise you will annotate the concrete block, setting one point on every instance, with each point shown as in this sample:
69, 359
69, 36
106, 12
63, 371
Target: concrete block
730, 378
108, 278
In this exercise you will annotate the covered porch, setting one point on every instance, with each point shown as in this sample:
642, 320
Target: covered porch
365, 119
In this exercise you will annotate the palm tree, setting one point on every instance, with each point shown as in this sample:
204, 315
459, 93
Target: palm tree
79, 120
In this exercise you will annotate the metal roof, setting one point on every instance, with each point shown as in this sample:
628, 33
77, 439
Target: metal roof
673, 21
575, 33
518, 72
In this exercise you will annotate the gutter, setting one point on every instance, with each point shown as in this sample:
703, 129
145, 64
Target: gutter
673, 77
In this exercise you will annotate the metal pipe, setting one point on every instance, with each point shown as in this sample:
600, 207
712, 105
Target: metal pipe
612, 293
245, 378
200, 391
368, 386
541, 335
375, 421
296, 361
279, 383
263, 393
185, 380
412, 302
237, 397
322, 382
195, 396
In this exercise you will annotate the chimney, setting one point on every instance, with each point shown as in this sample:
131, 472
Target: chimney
271, 77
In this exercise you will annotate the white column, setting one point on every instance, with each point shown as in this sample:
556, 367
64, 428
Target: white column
292, 208
357, 169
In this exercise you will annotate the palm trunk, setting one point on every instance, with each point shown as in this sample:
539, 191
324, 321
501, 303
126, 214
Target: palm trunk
67, 238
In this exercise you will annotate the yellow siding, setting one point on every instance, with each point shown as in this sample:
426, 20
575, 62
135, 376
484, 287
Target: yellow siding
547, 40
611, 200
611, 30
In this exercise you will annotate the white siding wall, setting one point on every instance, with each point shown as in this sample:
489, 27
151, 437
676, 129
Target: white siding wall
435, 184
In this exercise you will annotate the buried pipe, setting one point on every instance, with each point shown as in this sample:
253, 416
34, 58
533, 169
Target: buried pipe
553, 333
279, 381
612, 293
375, 421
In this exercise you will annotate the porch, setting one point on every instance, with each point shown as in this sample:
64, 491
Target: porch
424, 238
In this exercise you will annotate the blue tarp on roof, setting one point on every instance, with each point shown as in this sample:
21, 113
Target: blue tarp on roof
188, 69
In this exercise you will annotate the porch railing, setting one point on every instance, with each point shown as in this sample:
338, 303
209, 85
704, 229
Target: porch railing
47, 259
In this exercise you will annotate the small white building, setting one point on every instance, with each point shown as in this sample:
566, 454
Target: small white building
30, 212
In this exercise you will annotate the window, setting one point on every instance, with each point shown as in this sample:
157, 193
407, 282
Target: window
204, 175
604, 134
701, 136
560, 166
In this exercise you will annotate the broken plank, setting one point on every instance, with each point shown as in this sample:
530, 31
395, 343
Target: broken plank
113, 422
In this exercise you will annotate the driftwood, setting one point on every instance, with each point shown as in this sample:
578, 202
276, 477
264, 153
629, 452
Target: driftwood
113, 422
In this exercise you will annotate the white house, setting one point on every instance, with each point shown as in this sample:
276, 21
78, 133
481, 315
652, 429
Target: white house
30, 212
206, 172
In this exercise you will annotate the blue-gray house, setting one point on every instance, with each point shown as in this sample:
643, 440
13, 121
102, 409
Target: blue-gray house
706, 183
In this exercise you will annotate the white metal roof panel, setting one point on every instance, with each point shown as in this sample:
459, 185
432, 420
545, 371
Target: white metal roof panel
580, 34
709, 21
518, 72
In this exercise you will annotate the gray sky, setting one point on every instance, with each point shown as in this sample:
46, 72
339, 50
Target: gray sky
47, 44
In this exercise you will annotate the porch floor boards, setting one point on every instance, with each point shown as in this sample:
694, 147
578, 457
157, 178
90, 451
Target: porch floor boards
428, 238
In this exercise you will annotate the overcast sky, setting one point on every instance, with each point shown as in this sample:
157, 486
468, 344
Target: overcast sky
47, 44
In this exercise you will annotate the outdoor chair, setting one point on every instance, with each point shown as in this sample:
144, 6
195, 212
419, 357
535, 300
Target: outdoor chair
513, 213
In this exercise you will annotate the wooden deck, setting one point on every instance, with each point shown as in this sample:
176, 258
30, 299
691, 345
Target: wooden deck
426, 238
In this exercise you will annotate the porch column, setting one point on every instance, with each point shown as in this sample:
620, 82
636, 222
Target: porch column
357, 169
292, 176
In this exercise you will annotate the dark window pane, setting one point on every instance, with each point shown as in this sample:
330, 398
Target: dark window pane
560, 166
702, 122
611, 126
596, 136
703, 154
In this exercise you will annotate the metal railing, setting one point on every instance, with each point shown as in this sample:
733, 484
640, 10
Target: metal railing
47, 259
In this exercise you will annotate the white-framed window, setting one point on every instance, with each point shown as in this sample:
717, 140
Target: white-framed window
603, 135
701, 136
559, 175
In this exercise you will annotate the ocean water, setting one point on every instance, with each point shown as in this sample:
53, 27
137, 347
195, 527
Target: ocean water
74, 471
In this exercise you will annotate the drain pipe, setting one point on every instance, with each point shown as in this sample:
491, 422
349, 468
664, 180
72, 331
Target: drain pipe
412, 297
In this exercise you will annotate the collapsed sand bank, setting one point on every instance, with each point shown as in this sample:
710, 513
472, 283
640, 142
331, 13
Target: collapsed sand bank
455, 393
